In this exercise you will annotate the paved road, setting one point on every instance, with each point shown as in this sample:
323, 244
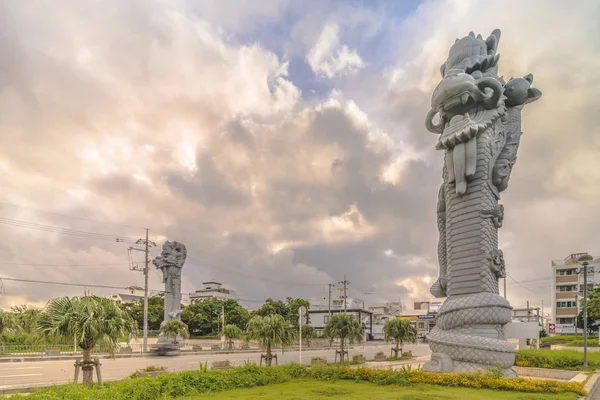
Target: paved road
45, 373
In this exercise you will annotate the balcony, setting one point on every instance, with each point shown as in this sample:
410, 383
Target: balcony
567, 279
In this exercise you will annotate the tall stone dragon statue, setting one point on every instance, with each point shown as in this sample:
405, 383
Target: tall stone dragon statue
478, 117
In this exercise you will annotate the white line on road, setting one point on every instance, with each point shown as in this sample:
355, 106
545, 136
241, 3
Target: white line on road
16, 368
18, 376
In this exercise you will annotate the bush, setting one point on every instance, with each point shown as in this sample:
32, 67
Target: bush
556, 359
172, 385
561, 338
579, 343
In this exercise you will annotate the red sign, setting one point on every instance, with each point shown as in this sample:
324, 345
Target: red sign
551, 328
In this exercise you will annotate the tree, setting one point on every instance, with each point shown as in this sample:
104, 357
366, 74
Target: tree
293, 310
590, 322
399, 331
344, 327
231, 332
269, 331
174, 328
90, 320
156, 312
203, 318
272, 307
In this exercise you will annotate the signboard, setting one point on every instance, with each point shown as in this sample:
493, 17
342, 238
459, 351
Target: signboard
564, 328
551, 328
427, 316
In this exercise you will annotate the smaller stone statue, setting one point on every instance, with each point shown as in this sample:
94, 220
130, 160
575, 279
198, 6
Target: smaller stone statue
170, 262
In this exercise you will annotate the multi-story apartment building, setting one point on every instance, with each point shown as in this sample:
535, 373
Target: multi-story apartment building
567, 290
211, 290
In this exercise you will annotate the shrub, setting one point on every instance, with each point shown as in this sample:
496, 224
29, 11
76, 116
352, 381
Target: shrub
556, 359
579, 343
153, 368
172, 385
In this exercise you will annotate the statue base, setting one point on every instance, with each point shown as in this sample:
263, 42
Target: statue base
167, 346
441, 362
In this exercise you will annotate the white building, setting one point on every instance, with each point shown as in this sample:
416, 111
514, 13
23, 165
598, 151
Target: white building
134, 293
211, 290
320, 311
382, 313
567, 290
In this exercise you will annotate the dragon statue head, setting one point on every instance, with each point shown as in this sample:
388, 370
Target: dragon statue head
469, 100
173, 254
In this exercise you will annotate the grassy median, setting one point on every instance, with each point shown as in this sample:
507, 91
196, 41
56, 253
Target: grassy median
348, 390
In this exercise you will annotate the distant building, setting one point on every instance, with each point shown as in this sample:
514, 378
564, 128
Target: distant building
320, 311
134, 293
382, 313
423, 317
567, 290
211, 290
320, 317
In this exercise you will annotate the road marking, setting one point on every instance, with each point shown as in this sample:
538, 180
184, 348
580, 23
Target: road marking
14, 369
18, 376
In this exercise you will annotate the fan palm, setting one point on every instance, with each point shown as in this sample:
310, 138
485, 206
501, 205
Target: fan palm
174, 328
345, 327
269, 331
399, 331
90, 320
231, 332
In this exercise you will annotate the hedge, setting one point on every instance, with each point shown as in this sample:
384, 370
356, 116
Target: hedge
189, 383
556, 359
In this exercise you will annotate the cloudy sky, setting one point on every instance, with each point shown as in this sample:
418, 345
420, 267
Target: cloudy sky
283, 142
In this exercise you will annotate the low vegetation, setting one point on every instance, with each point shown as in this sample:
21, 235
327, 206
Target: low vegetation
346, 390
556, 359
194, 383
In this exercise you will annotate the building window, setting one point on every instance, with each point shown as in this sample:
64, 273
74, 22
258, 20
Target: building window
565, 304
421, 325
565, 321
567, 288
326, 319
564, 272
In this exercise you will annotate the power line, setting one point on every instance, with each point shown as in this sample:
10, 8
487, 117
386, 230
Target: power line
67, 215
224, 269
65, 231
62, 283
62, 265
515, 281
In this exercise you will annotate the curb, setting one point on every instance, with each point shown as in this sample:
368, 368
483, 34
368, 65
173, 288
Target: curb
591, 386
8, 359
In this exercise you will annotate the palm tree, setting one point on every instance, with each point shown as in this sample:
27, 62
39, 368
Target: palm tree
344, 326
231, 332
174, 328
91, 320
269, 331
399, 331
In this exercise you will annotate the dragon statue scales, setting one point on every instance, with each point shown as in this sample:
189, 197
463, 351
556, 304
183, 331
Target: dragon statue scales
478, 117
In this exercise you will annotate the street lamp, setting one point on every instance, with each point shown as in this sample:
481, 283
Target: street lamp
585, 261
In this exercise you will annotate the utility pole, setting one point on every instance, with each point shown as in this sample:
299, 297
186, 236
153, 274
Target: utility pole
345, 282
527, 310
330, 286
576, 310
585, 261
585, 327
543, 327
504, 284
146, 270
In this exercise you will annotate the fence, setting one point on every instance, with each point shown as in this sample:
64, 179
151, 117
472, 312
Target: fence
59, 350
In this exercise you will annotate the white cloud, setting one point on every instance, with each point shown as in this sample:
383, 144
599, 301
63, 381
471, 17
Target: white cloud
328, 58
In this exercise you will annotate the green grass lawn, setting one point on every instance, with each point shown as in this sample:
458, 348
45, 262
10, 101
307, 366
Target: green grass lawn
348, 390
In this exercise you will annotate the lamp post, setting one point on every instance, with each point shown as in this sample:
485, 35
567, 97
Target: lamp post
585, 261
